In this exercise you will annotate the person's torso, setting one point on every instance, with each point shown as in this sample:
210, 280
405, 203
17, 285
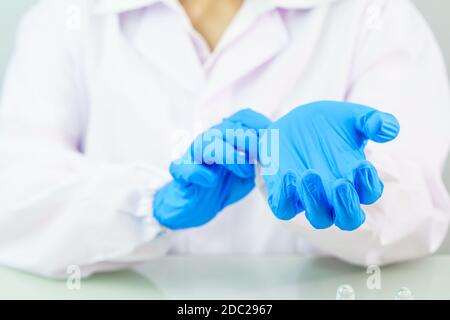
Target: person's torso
149, 92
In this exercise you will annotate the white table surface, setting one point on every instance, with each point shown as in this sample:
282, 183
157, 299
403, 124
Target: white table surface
283, 277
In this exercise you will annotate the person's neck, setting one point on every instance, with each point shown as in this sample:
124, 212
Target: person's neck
211, 17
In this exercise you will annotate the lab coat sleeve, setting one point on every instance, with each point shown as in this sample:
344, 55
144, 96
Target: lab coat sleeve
57, 207
398, 68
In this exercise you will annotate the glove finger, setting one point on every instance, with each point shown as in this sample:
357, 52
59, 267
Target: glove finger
284, 199
379, 126
251, 119
171, 202
222, 153
347, 210
197, 174
315, 201
245, 141
367, 183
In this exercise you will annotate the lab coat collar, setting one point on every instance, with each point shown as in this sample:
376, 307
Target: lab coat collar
119, 6
271, 31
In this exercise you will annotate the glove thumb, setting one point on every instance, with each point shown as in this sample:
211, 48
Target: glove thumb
379, 126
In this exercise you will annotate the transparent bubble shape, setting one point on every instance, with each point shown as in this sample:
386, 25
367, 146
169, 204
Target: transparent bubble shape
345, 292
404, 294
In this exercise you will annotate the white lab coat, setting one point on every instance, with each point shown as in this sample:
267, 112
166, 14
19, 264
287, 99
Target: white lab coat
101, 95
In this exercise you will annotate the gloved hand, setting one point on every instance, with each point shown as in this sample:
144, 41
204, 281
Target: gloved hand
322, 166
206, 180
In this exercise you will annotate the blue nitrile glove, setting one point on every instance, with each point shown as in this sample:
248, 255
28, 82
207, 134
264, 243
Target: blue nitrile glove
322, 166
206, 182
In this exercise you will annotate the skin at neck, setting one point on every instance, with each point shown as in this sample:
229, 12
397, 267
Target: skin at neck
211, 17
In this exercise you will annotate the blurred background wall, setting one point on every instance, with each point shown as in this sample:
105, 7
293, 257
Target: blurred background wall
10, 13
437, 12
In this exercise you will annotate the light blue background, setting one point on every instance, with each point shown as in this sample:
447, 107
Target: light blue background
437, 12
